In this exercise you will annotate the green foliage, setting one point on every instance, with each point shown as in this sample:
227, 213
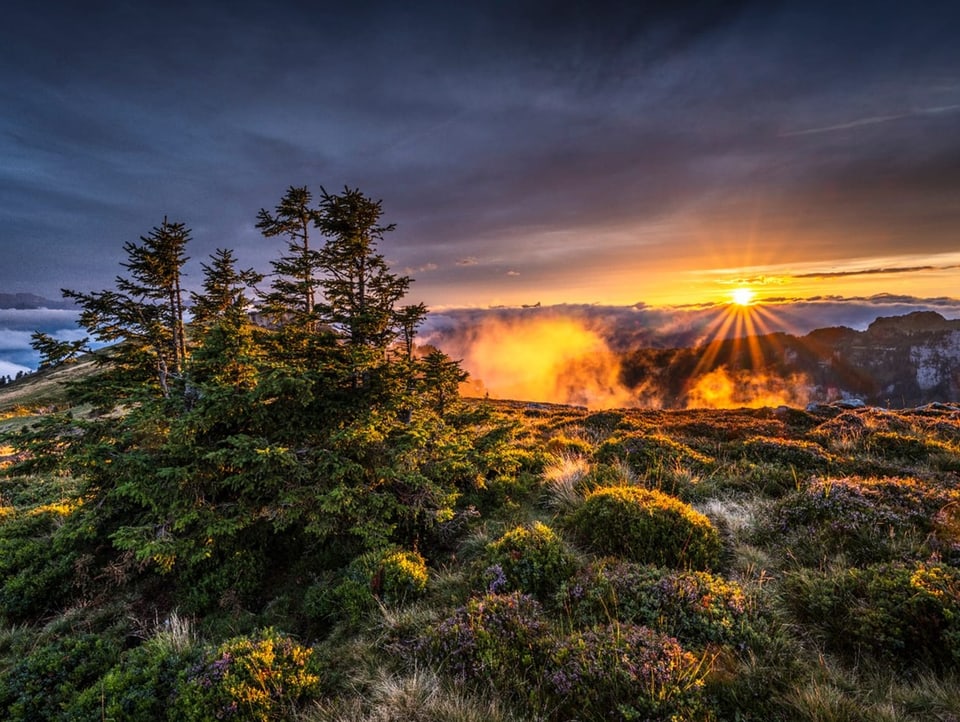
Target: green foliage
39, 556
906, 448
531, 559
47, 680
899, 614
698, 608
804, 457
621, 672
498, 639
145, 312
649, 453
646, 526
54, 353
867, 520
140, 687
391, 576
260, 678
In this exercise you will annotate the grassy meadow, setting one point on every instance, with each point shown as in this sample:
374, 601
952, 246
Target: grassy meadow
769, 564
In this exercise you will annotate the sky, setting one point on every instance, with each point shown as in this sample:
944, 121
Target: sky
617, 153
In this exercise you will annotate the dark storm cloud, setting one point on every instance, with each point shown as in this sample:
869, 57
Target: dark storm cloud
479, 124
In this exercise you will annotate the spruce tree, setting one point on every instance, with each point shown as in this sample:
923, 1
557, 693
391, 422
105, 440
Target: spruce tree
224, 290
144, 315
360, 292
294, 284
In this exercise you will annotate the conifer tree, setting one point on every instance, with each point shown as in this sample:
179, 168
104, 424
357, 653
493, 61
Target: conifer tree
294, 284
360, 292
224, 290
146, 310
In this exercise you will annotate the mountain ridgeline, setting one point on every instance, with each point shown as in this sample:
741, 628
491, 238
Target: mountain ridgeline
900, 362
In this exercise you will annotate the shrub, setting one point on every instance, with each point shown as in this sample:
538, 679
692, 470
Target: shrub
802, 456
140, 687
617, 672
392, 576
902, 614
647, 526
621, 672
908, 449
533, 559
248, 678
868, 520
45, 683
651, 453
37, 561
697, 608
499, 639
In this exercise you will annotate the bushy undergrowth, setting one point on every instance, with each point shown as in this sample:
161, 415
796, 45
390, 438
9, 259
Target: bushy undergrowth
392, 576
611, 672
646, 526
698, 608
651, 453
866, 520
898, 614
46, 680
625, 604
264, 677
804, 457
530, 559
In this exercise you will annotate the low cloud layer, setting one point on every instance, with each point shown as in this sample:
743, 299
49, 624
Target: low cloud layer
571, 354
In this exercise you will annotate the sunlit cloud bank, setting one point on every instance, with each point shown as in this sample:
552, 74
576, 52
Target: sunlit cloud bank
557, 360
723, 389
572, 354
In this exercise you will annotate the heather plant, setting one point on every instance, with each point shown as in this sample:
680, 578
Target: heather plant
532, 559
805, 457
698, 608
618, 672
867, 520
646, 526
265, 677
913, 450
899, 614
621, 672
497, 639
649, 452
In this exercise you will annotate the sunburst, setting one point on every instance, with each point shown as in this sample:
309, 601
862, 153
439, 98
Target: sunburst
742, 296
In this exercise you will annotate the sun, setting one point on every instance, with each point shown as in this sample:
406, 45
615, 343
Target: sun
743, 296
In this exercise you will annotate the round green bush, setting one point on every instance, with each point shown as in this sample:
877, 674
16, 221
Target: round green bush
621, 672
901, 614
392, 576
647, 526
400, 575
531, 559
698, 608
264, 677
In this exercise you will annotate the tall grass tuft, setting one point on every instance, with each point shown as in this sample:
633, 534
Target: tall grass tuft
416, 696
564, 478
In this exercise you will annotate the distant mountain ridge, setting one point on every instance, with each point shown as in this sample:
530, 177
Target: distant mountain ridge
27, 301
898, 361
